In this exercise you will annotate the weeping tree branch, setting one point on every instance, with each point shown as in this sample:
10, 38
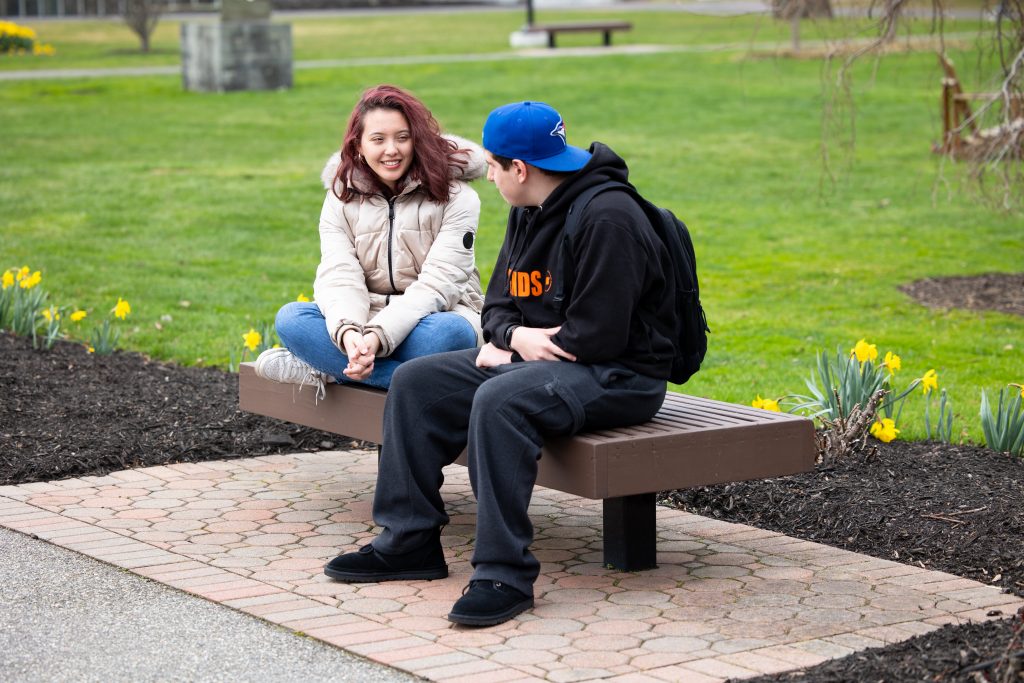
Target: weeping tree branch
993, 153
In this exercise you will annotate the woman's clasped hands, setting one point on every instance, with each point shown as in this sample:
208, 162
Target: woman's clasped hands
361, 349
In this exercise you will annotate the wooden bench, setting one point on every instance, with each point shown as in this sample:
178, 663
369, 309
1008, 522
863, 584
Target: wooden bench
961, 134
690, 442
603, 27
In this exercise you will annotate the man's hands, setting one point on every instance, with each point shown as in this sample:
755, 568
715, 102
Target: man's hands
361, 350
491, 356
534, 343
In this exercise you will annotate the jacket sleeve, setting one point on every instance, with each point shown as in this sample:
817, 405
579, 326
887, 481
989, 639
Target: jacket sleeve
446, 273
500, 311
340, 286
611, 270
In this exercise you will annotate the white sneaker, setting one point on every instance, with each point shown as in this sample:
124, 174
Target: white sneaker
281, 365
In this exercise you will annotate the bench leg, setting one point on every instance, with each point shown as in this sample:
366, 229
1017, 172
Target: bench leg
629, 532
551, 39
607, 38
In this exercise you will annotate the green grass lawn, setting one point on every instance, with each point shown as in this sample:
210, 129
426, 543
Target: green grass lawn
130, 187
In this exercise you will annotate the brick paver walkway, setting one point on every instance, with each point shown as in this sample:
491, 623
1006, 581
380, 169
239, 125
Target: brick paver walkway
726, 601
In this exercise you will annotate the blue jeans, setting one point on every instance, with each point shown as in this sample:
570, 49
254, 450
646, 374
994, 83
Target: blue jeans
302, 329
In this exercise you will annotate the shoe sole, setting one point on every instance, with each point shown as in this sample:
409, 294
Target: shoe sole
374, 577
491, 619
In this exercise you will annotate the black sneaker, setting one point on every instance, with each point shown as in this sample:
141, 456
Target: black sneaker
369, 565
486, 603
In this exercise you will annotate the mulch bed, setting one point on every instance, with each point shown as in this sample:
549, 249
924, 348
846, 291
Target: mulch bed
1003, 292
66, 413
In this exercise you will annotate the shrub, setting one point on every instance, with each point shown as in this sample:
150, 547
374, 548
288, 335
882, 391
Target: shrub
19, 40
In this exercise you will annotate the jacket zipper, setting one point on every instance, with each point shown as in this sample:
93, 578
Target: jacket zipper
391, 230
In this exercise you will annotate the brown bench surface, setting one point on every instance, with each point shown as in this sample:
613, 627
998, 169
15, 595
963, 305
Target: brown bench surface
582, 26
690, 442
604, 27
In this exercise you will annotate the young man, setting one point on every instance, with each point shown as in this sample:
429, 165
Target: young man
592, 351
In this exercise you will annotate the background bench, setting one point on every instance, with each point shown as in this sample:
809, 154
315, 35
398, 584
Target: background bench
603, 27
690, 442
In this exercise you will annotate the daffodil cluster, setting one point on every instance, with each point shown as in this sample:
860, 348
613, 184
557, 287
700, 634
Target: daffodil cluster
848, 380
22, 301
19, 40
24, 311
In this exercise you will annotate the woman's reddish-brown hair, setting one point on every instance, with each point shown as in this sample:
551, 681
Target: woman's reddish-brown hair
433, 156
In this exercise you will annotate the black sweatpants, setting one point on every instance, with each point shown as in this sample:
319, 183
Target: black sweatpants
440, 403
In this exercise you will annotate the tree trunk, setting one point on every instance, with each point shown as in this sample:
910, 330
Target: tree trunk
802, 9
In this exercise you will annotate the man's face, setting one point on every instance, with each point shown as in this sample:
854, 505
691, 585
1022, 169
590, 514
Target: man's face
508, 181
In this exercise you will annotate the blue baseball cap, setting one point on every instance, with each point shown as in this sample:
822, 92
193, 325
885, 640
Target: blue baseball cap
532, 132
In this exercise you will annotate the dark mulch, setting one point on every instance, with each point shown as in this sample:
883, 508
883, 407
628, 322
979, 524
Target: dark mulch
1003, 292
66, 413
957, 509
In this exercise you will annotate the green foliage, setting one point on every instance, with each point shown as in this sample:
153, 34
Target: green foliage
104, 338
1004, 427
943, 427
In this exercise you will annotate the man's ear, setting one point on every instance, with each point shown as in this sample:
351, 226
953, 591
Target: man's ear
521, 170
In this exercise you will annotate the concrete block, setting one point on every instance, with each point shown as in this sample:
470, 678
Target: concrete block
235, 55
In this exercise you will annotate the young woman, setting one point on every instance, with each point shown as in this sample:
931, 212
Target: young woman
397, 277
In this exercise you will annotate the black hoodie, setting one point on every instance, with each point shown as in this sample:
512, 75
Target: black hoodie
617, 304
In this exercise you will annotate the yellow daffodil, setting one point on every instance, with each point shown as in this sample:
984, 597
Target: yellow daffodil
864, 351
302, 297
78, 315
121, 309
885, 431
49, 314
8, 279
930, 381
891, 362
23, 273
252, 339
765, 404
31, 281
1019, 386
90, 349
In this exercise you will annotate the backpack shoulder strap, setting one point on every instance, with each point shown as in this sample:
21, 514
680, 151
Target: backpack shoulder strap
565, 269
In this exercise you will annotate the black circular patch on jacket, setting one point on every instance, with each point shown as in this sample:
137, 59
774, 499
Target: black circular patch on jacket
467, 240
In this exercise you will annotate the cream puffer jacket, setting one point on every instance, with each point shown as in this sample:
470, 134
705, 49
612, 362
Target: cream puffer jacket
386, 265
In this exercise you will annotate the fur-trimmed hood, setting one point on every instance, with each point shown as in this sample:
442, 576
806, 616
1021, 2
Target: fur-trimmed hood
476, 166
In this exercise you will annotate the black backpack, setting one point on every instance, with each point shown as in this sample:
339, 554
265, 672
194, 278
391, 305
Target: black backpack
691, 328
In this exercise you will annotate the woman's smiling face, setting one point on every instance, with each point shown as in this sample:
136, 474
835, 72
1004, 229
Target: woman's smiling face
386, 145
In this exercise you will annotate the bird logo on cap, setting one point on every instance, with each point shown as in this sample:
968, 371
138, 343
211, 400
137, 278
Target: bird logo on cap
559, 131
